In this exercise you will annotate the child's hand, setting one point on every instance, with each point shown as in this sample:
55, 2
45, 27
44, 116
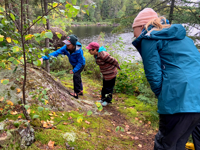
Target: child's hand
41, 59
71, 72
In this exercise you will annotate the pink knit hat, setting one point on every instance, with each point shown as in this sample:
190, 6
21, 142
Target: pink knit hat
144, 17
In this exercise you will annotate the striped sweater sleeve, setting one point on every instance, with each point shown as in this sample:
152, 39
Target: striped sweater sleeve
109, 59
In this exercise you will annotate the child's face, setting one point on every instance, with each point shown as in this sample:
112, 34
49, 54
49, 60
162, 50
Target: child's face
92, 52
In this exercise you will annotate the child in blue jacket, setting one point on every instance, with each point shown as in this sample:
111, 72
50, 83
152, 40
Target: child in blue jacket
73, 49
172, 67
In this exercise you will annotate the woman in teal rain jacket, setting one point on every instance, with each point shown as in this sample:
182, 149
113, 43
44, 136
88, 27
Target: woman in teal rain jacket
172, 67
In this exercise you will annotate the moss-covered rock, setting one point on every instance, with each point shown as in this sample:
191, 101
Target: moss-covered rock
12, 137
36, 122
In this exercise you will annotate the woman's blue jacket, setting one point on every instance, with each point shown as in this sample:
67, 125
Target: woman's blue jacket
172, 67
76, 59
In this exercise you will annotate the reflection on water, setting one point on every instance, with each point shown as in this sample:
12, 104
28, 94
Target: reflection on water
87, 34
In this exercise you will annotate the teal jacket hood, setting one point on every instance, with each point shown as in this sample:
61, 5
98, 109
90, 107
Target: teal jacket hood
172, 65
102, 49
175, 32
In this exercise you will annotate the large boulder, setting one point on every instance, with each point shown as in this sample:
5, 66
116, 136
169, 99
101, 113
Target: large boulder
38, 80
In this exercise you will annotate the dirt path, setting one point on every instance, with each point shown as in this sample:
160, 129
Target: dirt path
142, 135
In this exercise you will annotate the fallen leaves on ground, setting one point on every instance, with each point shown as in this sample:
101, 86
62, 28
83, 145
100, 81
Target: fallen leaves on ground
51, 144
18, 90
1, 99
20, 116
108, 131
139, 145
65, 123
9, 102
69, 118
126, 127
13, 112
29, 111
87, 122
47, 124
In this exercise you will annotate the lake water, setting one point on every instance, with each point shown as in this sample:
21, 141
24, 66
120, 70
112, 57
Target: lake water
87, 34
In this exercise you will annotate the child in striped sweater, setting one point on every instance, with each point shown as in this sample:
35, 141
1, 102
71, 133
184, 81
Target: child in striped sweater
108, 67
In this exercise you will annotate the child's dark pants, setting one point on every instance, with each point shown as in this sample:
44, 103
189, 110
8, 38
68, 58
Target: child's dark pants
108, 86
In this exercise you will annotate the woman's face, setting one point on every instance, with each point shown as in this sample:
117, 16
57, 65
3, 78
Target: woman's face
137, 31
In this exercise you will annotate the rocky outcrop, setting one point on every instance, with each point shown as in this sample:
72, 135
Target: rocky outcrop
57, 95
18, 133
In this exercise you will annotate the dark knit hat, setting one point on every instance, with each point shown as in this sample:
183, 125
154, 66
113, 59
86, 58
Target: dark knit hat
71, 39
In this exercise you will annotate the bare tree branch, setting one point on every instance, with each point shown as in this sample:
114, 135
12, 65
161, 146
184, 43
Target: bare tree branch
40, 18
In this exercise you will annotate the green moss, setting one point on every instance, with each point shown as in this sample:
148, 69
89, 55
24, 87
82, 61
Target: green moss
16, 124
54, 135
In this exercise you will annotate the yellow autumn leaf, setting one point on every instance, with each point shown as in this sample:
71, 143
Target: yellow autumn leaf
8, 39
9, 102
1, 99
55, 114
29, 111
51, 144
57, 33
79, 119
46, 102
13, 112
44, 125
55, 4
18, 90
83, 11
9, 68
108, 131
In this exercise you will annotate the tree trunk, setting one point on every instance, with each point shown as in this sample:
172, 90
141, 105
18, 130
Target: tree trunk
47, 67
27, 15
171, 11
24, 55
6, 6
